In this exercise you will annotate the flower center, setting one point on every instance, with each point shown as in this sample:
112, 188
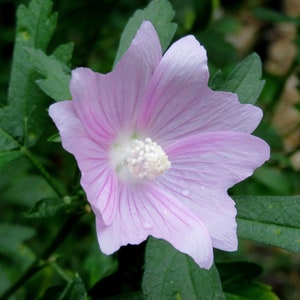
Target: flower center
142, 159
146, 159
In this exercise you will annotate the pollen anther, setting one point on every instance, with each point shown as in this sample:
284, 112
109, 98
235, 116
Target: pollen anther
146, 159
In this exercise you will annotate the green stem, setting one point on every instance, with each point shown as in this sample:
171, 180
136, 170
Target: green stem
60, 271
40, 262
43, 171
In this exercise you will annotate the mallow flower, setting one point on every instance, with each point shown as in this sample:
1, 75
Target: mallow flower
158, 149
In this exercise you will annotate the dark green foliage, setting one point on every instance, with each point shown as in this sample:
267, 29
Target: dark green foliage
24, 117
53, 68
51, 207
270, 220
173, 275
160, 13
25, 114
245, 80
74, 290
239, 282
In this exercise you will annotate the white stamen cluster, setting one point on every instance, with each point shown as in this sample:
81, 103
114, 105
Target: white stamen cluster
146, 159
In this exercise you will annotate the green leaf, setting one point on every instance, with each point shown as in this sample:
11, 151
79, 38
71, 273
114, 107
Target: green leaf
56, 73
8, 156
74, 290
51, 207
35, 26
229, 296
170, 274
56, 138
245, 80
255, 291
128, 296
270, 220
23, 118
160, 14
239, 283
64, 53
9, 147
7, 142
251, 291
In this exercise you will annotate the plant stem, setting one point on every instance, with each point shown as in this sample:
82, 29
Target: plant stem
43, 171
40, 262
60, 271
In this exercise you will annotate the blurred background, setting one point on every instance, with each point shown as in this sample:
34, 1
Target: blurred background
229, 30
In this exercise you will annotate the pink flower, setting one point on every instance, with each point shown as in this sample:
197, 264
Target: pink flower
158, 149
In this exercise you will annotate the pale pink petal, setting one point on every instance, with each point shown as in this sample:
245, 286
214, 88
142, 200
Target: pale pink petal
204, 133
221, 159
178, 101
147, 210
203, 168
214, 207
108, 104
97, 178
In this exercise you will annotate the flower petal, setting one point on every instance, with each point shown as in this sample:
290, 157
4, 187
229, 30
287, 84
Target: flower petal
218, 159
203, 168
213, 207
178, 101
107, 104
147, 210
97, 177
